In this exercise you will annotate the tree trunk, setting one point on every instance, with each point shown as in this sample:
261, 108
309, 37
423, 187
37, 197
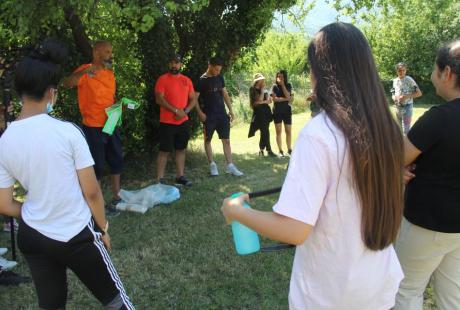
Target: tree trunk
78, 31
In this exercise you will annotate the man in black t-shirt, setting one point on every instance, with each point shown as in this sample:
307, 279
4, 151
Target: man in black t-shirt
213, 97
429, 239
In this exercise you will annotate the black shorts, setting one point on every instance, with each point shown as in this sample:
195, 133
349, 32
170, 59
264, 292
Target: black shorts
219, 123
282, 113
103, 148
174, 137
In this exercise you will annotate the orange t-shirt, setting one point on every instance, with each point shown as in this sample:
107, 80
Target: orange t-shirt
95, 94
176, 89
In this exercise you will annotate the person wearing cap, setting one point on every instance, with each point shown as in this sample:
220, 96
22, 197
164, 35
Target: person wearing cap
175, 95
211, 87
404, 91
96, 91
262, 114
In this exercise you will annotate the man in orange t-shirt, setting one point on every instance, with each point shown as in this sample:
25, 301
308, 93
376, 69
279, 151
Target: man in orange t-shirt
175, 95
96, 92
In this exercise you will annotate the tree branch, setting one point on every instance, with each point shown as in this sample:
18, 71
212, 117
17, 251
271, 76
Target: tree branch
78, 31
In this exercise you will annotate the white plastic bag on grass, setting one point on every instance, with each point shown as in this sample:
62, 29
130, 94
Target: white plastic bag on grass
146, 198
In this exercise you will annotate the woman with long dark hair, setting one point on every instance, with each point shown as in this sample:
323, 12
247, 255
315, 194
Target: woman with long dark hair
62, 221
282, 97
429, 241
341, 202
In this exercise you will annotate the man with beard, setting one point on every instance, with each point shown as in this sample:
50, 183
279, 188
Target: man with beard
96, 92
175, 95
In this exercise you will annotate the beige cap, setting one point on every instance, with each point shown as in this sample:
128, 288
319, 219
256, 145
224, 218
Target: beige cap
258, 77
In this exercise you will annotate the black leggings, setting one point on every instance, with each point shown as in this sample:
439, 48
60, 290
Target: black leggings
84, 254
264, 142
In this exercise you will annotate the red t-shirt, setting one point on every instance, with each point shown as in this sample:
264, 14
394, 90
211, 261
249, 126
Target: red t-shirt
95, 94
176, 90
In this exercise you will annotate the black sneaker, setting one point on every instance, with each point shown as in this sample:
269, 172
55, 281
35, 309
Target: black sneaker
162, 181
183, 181
289, 152
111, 209
271, 154
11, 278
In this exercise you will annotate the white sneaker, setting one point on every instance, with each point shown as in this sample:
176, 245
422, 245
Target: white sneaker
7, 264
231, 168
213, 169
3, 251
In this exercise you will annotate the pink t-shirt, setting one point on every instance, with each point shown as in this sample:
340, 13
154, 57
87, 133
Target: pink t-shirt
333, 269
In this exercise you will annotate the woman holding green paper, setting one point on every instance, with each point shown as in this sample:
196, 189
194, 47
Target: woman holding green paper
341, 202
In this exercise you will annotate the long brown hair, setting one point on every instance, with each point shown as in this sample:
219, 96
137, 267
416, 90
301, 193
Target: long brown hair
349, 90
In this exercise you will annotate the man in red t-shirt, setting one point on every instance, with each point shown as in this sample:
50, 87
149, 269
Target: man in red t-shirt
175, 95
96, 92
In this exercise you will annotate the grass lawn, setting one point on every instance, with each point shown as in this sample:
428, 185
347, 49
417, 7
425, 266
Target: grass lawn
181, 256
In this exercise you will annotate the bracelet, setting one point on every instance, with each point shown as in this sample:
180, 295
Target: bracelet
175, 111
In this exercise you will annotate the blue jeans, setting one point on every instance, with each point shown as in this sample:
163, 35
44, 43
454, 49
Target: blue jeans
404, 116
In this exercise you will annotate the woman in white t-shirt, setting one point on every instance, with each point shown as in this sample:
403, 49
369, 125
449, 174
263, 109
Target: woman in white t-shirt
341, 202
62, 221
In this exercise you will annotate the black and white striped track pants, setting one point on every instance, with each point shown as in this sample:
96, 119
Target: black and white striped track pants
84, 254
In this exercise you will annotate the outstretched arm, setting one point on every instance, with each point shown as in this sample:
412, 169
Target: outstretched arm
269, 224
72, 80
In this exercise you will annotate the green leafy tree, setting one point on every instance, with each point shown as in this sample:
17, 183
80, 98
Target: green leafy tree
410, 31
143, 34
278, 50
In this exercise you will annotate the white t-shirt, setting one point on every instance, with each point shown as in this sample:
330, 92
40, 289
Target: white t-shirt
332, 269
405, 86
43, 154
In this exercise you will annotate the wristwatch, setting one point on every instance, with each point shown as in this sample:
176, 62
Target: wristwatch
175, 111
186, 110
